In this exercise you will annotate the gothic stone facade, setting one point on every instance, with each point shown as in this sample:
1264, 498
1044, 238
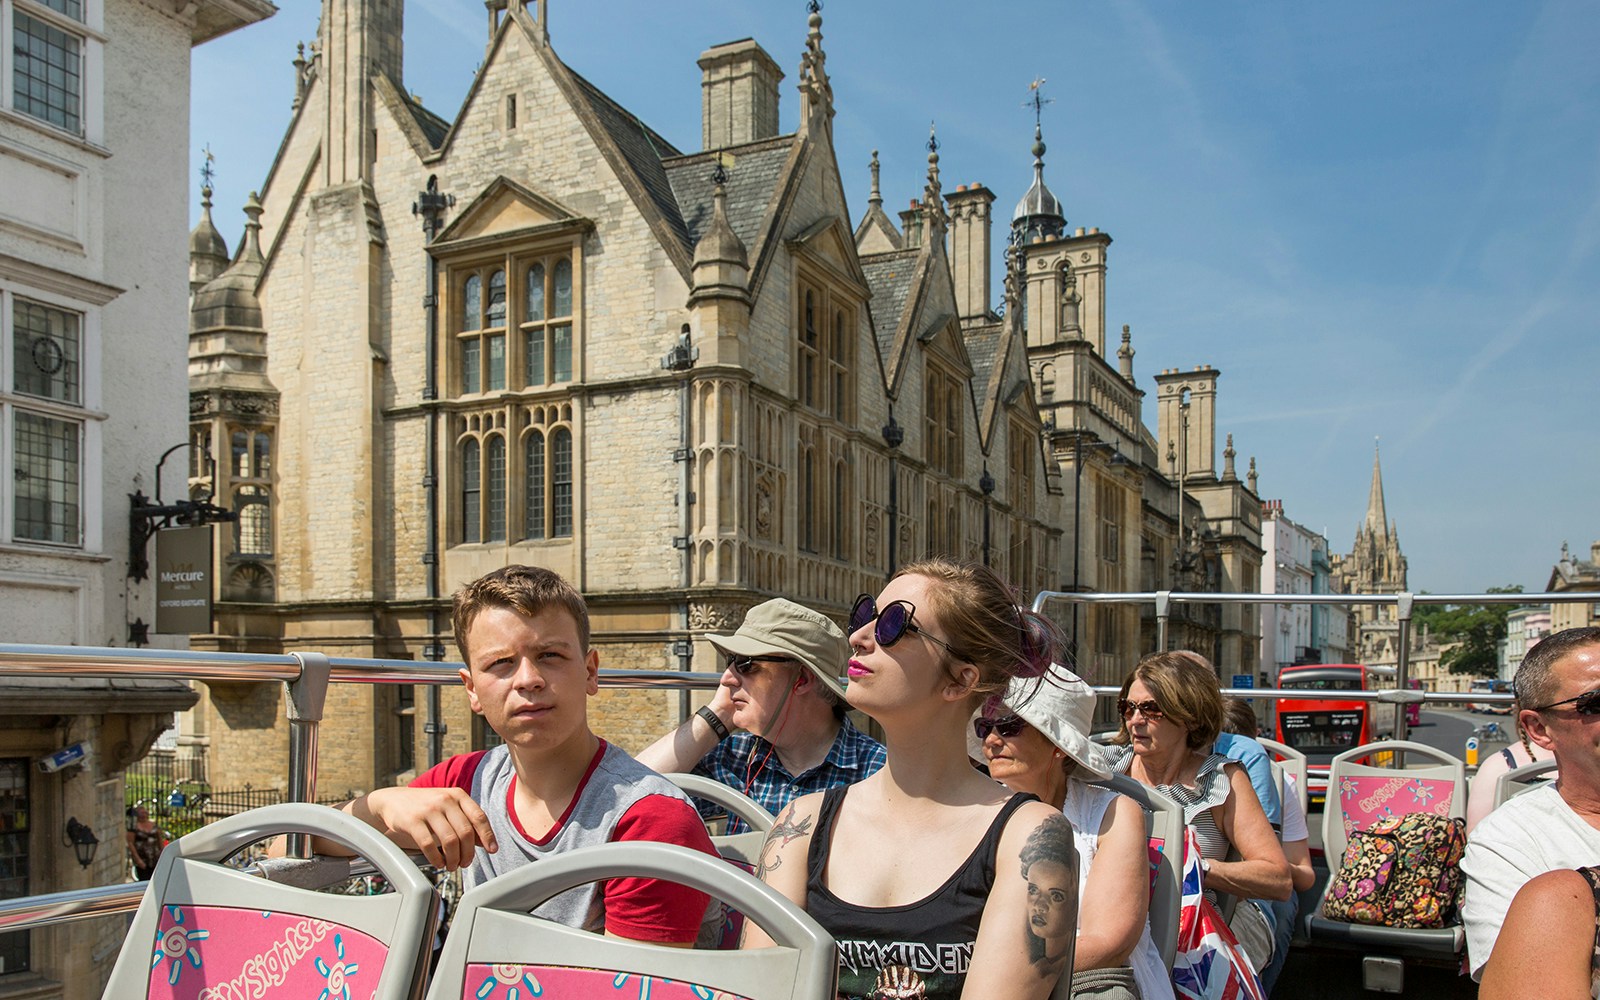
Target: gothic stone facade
669, 376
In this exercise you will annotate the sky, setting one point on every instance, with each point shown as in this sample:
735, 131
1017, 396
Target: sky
1380, 221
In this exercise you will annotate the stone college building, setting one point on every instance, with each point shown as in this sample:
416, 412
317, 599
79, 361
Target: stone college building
686, 380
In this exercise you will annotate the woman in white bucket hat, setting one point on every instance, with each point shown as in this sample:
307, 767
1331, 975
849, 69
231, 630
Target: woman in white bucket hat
1035, 739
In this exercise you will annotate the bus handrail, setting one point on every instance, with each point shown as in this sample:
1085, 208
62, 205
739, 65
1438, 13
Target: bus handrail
17, 659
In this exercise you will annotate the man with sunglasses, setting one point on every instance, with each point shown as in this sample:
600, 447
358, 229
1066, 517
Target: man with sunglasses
1555, 826
780, 690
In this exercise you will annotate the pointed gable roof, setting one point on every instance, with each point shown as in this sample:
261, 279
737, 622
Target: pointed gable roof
985, 349
876, 232
633, 150
891, 277
504, 206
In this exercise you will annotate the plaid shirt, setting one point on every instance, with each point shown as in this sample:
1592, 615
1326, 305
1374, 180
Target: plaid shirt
744, 756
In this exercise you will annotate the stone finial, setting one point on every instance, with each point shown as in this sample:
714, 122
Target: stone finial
875, 199
252, 227
816, 93
301, 79
1250, 477
1227, 461
1125, 355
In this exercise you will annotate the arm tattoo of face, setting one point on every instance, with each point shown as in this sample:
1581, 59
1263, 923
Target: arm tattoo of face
784, 829
1050, 867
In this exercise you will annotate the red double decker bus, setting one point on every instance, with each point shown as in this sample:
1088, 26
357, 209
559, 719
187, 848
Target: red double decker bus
1323, 727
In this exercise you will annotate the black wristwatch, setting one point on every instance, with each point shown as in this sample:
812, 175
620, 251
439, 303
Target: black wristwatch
715, 723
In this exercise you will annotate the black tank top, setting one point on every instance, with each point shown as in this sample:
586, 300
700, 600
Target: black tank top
920, 949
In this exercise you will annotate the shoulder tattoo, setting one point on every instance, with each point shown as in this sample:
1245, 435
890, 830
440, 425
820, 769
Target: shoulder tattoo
785, 829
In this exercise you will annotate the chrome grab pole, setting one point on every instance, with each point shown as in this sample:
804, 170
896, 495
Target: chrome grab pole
307, 696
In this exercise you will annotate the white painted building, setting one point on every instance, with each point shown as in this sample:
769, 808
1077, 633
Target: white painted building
94, 139
1524, 628
1295, 561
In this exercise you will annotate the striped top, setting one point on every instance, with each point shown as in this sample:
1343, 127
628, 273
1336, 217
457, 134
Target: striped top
1211, 788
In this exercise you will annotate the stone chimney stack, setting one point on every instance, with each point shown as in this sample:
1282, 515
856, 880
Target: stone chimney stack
738, 94
969, 248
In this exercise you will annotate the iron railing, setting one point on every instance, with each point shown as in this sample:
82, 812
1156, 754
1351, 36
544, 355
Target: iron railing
307, 676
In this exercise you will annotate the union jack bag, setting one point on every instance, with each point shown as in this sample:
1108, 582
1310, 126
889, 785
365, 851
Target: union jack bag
1209, 964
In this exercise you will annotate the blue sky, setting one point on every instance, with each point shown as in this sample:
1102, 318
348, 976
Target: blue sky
1377, 219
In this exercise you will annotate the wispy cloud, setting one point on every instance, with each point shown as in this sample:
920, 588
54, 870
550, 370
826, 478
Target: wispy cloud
460, 18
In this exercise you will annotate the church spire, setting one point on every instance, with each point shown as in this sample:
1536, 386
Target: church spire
1377, 515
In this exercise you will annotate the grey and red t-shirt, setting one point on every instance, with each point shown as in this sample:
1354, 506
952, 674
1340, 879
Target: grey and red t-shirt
618, 799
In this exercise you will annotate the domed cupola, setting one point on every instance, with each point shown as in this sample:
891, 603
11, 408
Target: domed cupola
1039, 212
208, 251
230, 301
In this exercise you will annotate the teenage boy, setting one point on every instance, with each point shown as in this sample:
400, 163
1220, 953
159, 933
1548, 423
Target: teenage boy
553, 785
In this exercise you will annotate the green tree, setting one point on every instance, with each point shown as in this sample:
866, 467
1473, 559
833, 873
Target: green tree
1475, 628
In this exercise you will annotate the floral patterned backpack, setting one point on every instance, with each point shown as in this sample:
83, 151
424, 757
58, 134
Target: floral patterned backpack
1404, 872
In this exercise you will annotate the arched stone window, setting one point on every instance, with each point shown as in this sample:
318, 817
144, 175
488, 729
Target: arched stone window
471, 492
495, 488
533, 483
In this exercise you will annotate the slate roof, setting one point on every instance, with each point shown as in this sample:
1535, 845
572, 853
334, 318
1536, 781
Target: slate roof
642, 147
983, 349
889, 275
752, 184
434, 128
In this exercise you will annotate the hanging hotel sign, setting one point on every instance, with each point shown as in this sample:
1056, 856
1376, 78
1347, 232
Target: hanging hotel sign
183, 580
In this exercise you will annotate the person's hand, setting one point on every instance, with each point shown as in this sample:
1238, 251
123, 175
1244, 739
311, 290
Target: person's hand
443, 823
722, 704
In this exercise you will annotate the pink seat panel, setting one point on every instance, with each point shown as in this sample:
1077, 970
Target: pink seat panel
1364, 799
227, 953
509, 981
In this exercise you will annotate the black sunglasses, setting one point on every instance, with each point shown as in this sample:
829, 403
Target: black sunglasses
894, 621
1152, 711
744, 666
1587, 703
1007, 727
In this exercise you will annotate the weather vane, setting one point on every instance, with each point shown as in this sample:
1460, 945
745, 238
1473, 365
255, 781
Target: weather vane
814, 6
206, 170
719, 175
933, 139
1037, 101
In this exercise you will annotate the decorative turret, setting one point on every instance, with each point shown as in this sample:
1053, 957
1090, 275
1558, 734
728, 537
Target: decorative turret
1038, 214
720, 299
230, 301
721, 261
1125, 355
208, 252
1250, 477
1228, 475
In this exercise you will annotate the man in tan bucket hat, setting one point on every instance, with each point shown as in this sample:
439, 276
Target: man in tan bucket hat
780, 686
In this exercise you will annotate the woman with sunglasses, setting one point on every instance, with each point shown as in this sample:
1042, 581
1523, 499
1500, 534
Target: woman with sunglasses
1171, 708
921, 872
1036, 740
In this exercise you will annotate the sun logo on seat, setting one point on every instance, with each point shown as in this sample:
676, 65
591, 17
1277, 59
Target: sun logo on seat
1421, 793
515, 978
177, 944
337, 975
